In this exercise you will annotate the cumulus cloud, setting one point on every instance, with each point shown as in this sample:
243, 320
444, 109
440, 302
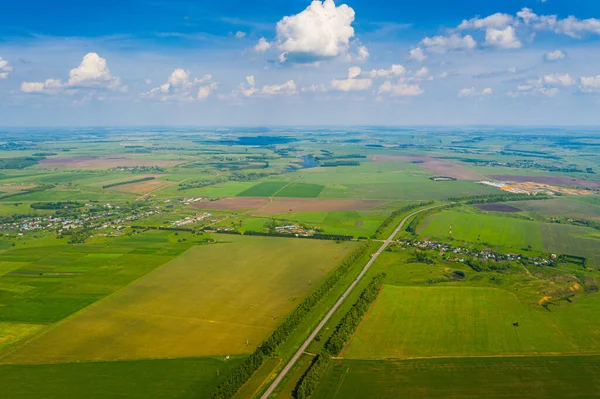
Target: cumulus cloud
394, 70
179, 87
92, 73
417, 54
353, 72
323, 30
5, 68
262, 46
314, 89
557, 79
422, 73
472, 92
240, 35
570, 26
590, 84
288, 88
502, 38
494, 21
363, 53
554, 55
351, 84
454, 42
250, 80
400, 89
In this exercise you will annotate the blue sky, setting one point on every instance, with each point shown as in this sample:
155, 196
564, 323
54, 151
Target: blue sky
181, 62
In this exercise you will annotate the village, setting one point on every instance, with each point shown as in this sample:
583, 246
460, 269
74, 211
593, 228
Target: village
463, 254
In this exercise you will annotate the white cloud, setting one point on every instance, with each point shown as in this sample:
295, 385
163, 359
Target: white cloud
5, 68
557, 79
554, 55
92, 73
351, 84
576, 28
422, 73
179, 87
205, 91
353, 72
250, 80
472, 92
288, 88
394, 70
495, 21
442, 44
363, 53
262, 46
505, 38
590, 84
400, 89
314, 89
240, 35
417, 54
322, 30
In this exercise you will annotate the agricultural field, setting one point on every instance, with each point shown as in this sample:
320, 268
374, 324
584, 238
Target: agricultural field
158, 262
214, 299
523, 377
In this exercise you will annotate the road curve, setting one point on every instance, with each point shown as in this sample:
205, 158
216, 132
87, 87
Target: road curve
335, 307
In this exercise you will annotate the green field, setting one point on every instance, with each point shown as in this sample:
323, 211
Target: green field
409, 322
503, 232
300, 190
215, 299
467, 378
154, 379
572, 240
264, 189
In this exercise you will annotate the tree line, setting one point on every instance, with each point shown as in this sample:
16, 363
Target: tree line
336, 342
238, 377
392, 217
129, 182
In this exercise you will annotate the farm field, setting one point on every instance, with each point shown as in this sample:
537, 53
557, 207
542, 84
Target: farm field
154, 379
573, 207
215, 299
511, 233
469, 378
409, 322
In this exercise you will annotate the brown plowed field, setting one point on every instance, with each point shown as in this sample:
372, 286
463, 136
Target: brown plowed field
439, 167
555, 180
284, 205
101, 162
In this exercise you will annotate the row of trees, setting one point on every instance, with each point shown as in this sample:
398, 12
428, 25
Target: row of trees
392, 217
504, 197
128, 182
317, 236
238, 377
336, 342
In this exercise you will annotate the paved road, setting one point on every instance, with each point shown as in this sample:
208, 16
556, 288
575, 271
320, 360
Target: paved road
335, 307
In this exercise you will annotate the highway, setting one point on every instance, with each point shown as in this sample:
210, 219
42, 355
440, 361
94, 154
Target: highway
335, 307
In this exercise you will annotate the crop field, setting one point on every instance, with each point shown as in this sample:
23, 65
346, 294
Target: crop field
264, 189
105, 162
570, 207
154, 379
213, 300
572, 240
412, 322
300, 190
469, 378
511, 233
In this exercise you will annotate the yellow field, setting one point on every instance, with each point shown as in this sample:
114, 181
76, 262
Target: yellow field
11, 333
218, 299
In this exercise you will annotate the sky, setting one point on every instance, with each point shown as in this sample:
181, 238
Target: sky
267, 62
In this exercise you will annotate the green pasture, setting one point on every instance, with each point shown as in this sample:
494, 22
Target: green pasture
409, 322
562, 206
497, 231
153, 379
264, 189
300, 190
542, 377
215, 299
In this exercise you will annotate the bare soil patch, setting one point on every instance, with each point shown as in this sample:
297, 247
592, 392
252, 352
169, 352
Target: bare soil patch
140, 188
498, 208
556, 180
104, 162
286, 205
233, 204
439, 167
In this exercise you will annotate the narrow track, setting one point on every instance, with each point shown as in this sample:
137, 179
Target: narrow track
335, 307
